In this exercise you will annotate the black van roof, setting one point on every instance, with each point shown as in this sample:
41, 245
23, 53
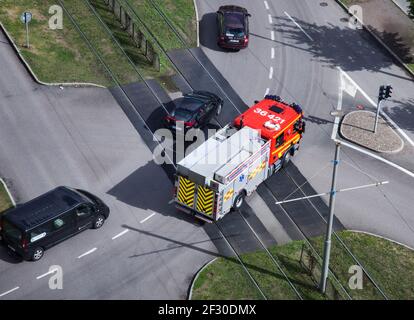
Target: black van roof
43, 208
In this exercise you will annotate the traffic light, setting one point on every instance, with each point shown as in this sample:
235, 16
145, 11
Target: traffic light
388, 91
381, 94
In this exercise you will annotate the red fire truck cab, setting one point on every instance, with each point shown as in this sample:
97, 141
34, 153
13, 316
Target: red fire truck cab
279, 122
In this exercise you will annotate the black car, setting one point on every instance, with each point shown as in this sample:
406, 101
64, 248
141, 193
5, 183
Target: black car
233, 27
194, 110
31, 228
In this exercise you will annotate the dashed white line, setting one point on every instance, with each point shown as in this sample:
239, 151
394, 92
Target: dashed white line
272, 35
46, 274
120, 234
298, 25
271, 73
270, 18
7, 292
267, 91
272, 55
147, 218
266, 5
88, 252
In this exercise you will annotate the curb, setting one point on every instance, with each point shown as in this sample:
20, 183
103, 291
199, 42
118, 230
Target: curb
381, 237
190, 291
198, 22
377, 151
8, 192
402, 9
33, 75
404, 65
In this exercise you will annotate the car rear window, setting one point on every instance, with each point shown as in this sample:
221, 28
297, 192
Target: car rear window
183, 115
11, 232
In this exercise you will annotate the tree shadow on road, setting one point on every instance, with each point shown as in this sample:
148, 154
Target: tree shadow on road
350, 49
404, 112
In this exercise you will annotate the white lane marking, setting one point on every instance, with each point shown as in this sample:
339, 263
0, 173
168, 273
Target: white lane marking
46, 274
147, 218
267, 91
7, 292
120, 234
88, 252
272, 35
392, 164
270, 18
298, 25
273, 53
271, 73
266, 5
400, 131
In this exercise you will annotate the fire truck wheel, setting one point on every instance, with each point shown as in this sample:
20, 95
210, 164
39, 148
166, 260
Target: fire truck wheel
286, 158
238, 202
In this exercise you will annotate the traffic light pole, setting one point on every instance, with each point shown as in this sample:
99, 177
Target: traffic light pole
328, 236
377, 115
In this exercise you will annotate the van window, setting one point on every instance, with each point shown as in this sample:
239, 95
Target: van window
83, 211
11, 232
61, 221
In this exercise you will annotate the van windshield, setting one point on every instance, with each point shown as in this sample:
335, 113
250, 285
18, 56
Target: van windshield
11, 232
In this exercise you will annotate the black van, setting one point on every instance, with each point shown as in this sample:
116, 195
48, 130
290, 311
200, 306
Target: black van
35, 226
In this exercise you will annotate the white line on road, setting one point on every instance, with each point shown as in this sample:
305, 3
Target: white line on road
271, 73
7, 292
120, 234
273, 53
272, 35
266, 5
270, 18
297, 24
392, 164
46, 274
400, 131
88, 252
147, 218
267, 91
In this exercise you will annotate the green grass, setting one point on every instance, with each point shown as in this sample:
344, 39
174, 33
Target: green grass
180, 12
5, 202
55, 55
388, 263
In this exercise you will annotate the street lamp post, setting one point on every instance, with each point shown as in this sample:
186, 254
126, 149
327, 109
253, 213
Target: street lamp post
328, 236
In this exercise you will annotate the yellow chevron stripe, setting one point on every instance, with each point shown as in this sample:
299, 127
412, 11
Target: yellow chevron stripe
186, 192
205, 200
228, 194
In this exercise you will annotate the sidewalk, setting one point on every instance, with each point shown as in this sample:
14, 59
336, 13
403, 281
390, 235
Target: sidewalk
391, 24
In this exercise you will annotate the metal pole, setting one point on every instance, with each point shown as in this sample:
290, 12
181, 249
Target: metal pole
327, 247
377, 115
27, 34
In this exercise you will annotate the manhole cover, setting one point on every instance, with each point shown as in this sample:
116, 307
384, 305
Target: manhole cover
323, 4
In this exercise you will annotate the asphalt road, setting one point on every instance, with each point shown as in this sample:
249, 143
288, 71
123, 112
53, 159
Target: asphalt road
295, 50
80, 137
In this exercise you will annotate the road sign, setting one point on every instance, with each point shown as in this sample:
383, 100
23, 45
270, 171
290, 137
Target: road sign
26, 17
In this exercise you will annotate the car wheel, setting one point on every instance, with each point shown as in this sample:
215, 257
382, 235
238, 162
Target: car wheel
98, 222
219, 108
239, 201
37, 254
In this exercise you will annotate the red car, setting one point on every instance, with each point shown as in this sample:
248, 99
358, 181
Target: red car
233, 27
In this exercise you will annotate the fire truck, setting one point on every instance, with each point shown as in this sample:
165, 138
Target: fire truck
217, 176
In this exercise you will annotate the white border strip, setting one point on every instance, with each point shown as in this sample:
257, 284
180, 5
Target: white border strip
68, 84
8, 192
198, 22
381, 237
190, 295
